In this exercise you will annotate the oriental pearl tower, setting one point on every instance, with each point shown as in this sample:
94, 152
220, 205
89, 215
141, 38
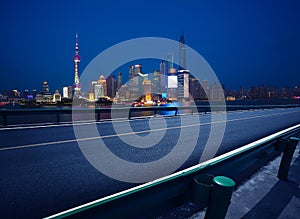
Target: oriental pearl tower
76, 59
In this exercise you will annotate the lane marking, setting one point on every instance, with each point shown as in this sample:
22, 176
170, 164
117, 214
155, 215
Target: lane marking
139, 132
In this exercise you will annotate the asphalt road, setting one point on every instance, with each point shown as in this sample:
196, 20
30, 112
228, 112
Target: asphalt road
44, 169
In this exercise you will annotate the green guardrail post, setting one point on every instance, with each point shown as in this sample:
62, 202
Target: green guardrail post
201, 190
286, 159
220, 197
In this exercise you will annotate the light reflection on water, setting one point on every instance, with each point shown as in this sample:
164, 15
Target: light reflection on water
44, 118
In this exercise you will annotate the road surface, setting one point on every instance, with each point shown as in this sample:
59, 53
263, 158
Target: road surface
44, 171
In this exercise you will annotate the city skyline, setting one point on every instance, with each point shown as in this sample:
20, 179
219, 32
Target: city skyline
246, 43
183, 76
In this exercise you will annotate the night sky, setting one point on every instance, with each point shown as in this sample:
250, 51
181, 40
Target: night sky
245, 42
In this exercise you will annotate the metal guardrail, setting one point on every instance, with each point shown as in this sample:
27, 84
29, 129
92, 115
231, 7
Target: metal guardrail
147, 199
130, 112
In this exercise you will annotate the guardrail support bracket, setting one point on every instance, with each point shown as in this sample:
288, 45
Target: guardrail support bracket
288, 151
201, 190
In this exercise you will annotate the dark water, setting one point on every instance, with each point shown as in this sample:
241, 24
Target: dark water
256, 102
67, 117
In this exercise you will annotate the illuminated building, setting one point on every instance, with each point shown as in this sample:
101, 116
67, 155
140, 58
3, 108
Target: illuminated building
26, 94
92, 90
131, 71
102, 82
135, 82
91, 96
163, 77
138, 68
45, 88
67, 92
56, 97
45, 96
147, 89
183, 87
98, 91
172, 84
156, 82
111, 86
120, 83
123, 93
170, 60
34, 93
182, 54
76, 59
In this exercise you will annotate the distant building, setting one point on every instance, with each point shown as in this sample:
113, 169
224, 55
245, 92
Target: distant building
172, 84
45, 96
157, 82
123, 94
99, 91
120, 82
138, 68
133, 83
195, 88
111, 86
45, 88
170, 58
205, 89
163, 77
67, 92
183, 85
147, 89
91, 96
286, 92
56, 97
136, 81
76, 59
131, 72
296, 92
182, 53
102, 82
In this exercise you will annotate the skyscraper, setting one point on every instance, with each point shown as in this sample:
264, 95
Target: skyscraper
183, 88
131, 72
157, 82
170, 60
103, 85
111, 86
76, 59
172, 84
120, 82
182, 55
163, 77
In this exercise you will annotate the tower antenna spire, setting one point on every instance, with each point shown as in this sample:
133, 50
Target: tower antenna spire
76, 60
